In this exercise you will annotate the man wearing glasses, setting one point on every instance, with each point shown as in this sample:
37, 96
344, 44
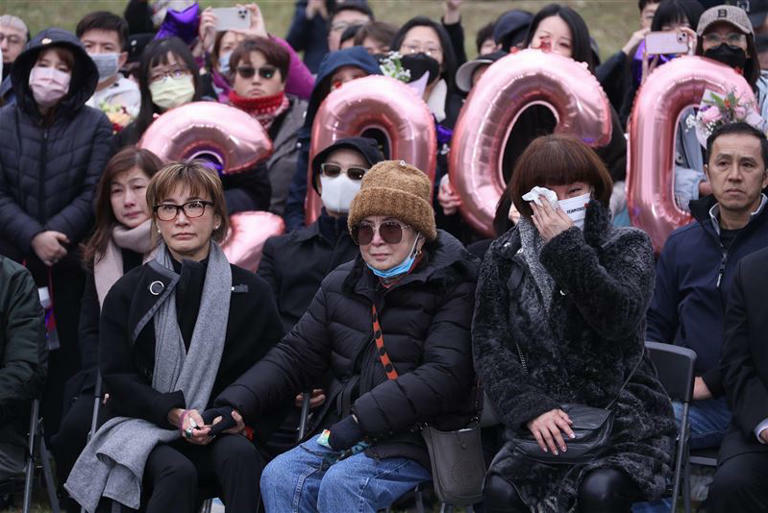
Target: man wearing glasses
13, 37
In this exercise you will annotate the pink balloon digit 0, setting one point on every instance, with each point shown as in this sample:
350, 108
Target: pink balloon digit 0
670, 89
374, 102
502, 93
233, 140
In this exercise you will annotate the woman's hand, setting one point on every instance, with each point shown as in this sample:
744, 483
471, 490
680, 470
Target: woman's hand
316, 7
316, 399
550, 221
193, 428
258, 26
48, 246
447, 197
207, 30
239, 423
547, 429
451, 12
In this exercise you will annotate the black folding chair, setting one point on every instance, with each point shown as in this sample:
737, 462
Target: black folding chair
675, 367
36, 448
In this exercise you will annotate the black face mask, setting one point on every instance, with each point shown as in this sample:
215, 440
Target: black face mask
728, 55
420, 63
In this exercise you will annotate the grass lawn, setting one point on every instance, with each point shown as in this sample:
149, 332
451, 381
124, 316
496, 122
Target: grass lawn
610, 21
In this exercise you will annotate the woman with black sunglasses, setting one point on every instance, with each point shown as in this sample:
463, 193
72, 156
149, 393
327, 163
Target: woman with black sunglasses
391, 330
258, 70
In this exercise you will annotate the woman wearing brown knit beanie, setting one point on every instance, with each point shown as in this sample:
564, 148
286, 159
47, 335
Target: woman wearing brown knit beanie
392, 328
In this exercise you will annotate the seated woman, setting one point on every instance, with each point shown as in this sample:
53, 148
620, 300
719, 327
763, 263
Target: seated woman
560, 318
413, 286
121, 240
169, 78
258, 71
166, 350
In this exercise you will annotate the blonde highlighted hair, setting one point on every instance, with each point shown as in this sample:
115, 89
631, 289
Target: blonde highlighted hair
201, 180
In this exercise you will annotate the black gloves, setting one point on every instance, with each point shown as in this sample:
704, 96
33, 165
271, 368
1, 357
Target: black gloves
226, 422
345, 433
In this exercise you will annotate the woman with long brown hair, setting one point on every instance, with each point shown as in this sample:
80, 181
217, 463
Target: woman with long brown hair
121, 240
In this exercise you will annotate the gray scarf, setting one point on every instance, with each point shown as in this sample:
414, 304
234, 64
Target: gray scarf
112, 464
531, 244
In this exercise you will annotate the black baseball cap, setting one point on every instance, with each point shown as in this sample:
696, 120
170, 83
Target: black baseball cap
511, 27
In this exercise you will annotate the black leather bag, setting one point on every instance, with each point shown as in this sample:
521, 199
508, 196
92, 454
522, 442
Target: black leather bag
592, 427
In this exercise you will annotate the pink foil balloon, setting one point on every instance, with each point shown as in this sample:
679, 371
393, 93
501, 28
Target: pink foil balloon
247, 234
374, 102
506, 88
212, 130
650, 175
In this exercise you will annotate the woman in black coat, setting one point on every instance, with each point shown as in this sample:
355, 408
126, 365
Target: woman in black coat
560, 318
53, 149
166, 350
417, 285
121, 241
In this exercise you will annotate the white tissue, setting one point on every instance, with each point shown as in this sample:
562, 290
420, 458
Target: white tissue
537, 192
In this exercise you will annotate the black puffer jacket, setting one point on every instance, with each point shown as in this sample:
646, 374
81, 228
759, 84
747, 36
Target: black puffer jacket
49, 166
425, 320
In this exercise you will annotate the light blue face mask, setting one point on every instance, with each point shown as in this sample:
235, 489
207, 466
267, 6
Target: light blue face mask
224, 63
401, 268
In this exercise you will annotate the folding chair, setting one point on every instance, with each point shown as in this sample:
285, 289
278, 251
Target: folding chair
675, 367
36, 447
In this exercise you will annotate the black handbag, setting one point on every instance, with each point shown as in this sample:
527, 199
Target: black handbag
591, 426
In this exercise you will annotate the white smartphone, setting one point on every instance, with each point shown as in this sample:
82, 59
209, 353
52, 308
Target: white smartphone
232, 18
666, 43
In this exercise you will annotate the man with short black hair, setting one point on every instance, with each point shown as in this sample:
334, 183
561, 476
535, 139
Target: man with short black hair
697, 265
104, 36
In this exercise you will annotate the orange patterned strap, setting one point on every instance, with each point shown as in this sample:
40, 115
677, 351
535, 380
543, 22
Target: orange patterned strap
389, 368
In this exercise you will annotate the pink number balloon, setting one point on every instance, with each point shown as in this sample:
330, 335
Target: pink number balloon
670, 89
210, 129
374, 102
505, 89
247, 234
237, 142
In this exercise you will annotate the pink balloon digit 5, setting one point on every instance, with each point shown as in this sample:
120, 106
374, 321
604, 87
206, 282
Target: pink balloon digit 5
376, 102
671, 88
503, 92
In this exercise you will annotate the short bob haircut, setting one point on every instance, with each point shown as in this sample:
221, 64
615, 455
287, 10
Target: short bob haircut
273, 53
201, 180
581, 50
675, 12
558, 160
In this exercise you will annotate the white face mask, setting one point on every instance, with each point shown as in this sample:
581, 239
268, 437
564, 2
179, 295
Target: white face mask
576, 208
338, 192
107, 63
48, 85
224, 63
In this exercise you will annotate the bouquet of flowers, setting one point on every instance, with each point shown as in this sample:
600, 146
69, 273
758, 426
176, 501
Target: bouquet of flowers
118, 115
716, 110
392, 67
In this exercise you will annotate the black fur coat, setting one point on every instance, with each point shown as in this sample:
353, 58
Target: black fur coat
578, 351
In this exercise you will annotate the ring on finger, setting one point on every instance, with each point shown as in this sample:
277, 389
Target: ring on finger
188, 433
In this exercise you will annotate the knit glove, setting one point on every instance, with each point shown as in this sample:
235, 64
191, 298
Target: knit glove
345, 433
226, 422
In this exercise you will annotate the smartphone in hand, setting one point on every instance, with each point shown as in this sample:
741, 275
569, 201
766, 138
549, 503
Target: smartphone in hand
666, 43
232, 18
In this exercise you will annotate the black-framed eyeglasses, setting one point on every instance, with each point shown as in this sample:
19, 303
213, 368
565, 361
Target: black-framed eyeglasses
334, 170
390, 232
265, 72
192, 209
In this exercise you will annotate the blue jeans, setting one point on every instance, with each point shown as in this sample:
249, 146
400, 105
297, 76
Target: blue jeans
295, 483
709, 420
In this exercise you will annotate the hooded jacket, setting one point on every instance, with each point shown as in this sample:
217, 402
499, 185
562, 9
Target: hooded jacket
693, 275
50, 166
357, 57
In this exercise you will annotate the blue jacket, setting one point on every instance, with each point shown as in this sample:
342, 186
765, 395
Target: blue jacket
356, 56
311, 36
693, 275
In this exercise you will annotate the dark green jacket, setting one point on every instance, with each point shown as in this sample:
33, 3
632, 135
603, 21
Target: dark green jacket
23, 348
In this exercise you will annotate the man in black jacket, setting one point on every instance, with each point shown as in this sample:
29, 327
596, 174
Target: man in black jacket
23, 361
697, 265
739, 483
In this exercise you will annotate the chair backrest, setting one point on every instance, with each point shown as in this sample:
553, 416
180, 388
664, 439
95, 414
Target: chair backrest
674, 365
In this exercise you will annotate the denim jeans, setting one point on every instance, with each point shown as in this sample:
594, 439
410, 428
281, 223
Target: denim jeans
295, 483
709, 420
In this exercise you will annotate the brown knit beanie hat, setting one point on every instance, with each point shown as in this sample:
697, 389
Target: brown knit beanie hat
395, 189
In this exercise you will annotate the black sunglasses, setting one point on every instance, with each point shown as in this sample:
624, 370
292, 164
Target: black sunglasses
333, 170
391, 232
265, 72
